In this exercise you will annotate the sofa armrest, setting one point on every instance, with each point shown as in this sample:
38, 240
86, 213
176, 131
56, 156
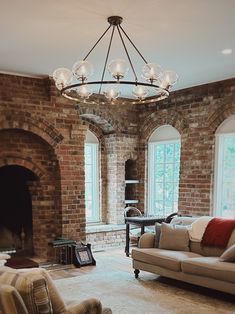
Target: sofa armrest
11, 301
146, 240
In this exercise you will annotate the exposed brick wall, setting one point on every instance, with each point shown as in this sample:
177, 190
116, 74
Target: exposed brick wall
35, 112
33, 107
196, 113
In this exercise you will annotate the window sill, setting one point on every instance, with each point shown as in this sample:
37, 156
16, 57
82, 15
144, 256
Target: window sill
104, 228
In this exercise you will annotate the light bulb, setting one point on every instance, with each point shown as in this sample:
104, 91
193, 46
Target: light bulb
84, 91
168, 79
140, 92
112, 93
82, 70
118, 68
151, 72
62, 77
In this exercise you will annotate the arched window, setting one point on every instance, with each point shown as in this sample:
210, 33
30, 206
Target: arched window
224, 194
163, 171
92, 202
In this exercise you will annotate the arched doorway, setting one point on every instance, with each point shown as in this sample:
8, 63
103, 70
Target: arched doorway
16, 209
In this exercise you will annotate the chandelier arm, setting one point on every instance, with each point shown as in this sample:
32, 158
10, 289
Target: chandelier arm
107, 56
128, 56
97, 43
145, 61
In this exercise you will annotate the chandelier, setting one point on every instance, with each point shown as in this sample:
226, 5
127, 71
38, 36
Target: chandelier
153, 83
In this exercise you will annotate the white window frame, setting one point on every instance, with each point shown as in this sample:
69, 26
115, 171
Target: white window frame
218, 173
151, 168
95, 184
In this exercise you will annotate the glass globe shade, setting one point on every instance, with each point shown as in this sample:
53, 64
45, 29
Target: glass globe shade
118, 68
112, 92
140, 92
151, 71
168, 79
84, 91
62, 77
82, 70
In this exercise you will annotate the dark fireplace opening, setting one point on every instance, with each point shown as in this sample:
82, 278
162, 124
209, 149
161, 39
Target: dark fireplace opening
16, 209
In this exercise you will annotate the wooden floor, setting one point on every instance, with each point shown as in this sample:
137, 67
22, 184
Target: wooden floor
67, 271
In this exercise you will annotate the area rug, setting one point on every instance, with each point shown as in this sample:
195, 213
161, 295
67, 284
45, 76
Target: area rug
21, 262
117, 288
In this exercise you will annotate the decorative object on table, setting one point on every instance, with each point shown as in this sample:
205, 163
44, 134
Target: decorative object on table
63, 250
82, 255
152, 85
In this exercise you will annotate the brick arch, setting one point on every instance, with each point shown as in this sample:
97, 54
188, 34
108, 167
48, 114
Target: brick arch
15, 160
94, 128
156, 119
103, 118
130, 155
26, 121
219, 116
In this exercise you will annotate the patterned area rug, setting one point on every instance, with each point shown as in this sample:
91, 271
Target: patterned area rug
114, 284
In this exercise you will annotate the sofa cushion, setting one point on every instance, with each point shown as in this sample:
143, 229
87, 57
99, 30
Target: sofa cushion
174, 237
196, 247
210, 267
228, 255
163, 258
31, 287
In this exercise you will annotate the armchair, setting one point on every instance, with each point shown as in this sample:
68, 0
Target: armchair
32, 291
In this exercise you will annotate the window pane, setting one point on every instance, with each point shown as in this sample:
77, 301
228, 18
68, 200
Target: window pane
164, 164
88, 173
225, 201
159, 191
88, 191
169, 152
169, 172
159, 153
159, 174
91, 182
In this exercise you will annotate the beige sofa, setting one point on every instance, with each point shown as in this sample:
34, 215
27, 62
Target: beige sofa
200, 265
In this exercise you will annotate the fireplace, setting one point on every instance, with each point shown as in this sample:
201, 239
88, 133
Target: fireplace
16, 209
30, 197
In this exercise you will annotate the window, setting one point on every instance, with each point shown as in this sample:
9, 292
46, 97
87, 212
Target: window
224, 196
92, 178
163, 171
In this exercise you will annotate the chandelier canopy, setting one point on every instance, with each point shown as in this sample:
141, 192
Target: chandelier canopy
152, 85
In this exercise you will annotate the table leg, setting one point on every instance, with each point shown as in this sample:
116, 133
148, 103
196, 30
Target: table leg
142, 229
127, 239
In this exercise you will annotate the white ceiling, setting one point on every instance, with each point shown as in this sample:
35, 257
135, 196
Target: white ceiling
187, 36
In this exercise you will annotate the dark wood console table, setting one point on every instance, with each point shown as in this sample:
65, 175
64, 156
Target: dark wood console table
141, 221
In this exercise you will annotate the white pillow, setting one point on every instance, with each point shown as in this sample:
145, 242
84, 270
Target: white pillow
4, 256
2, 262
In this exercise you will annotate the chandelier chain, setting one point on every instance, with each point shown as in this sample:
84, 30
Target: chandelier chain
106, 59
145, 61
128, 56
97, 42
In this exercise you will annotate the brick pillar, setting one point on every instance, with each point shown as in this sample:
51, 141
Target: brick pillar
119, 149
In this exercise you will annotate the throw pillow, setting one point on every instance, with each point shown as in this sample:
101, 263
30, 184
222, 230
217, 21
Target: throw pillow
228, 255
174, 237
157, 234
